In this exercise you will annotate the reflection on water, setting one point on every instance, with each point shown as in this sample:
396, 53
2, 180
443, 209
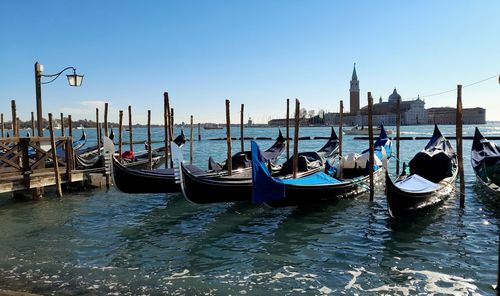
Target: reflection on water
106, 242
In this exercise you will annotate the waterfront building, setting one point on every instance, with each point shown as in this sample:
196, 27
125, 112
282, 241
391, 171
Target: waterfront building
412, 112
448, 115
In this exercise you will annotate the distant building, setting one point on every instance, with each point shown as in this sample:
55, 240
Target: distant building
448, 115
282, 122
279, 122
354, 93
412, 112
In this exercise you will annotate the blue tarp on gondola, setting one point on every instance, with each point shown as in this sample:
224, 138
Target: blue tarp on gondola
319, 178
266, 188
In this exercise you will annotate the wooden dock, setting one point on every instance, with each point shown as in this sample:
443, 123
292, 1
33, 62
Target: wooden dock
27, 164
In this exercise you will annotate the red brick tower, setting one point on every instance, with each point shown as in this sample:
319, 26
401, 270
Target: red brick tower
354, 96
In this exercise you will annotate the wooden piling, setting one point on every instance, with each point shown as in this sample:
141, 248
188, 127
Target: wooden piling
229, 161
33, 124
241, 129
106, 119
171, 134
14, 118
70, 155
2, 126
18, 125
98, 130
370, 138
398, 132
191, 141
70, 126
166, 121
296, 139
199, 131
130, 133
341, 125
459, 122
54, 158
120, 133
287, 128
150, 154
62, 124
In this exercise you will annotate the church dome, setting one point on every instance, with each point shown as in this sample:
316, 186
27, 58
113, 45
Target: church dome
394, 97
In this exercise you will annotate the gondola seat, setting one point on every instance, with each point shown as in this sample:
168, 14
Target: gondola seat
433, 168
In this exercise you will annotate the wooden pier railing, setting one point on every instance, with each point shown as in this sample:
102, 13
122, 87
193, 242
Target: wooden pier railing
27, 163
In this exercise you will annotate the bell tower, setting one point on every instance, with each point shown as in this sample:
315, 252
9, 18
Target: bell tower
354, 96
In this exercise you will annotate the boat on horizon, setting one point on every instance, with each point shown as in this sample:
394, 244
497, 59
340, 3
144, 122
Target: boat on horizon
356, 130
212, 126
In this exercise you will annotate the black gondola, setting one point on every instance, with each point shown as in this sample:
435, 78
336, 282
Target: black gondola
334, 183
243, 159
427, 181
486, 162
199, 186
152, 181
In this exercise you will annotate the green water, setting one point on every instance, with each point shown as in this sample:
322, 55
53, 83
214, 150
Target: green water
102, 242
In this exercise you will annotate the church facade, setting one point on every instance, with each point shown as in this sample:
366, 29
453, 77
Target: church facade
384, 112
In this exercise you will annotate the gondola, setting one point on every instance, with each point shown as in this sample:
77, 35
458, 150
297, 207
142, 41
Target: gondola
140, 180
242, 160
348, 177
428, 180
201, 187
77, 145
130, 180
60, 151
486, 162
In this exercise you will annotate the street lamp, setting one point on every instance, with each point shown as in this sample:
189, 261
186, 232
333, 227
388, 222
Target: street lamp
73, 80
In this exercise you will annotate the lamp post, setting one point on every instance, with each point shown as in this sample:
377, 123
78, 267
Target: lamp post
73, 80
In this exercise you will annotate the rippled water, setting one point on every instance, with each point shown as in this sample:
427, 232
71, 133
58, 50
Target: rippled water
107, 242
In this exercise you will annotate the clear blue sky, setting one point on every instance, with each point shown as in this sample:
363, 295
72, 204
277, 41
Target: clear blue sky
254, 52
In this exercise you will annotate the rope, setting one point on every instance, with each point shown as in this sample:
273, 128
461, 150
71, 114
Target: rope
452, 90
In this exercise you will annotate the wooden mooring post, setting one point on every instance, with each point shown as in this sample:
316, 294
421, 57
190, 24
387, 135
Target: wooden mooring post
241, 129
459, 122
166, 119
295, 161
287, 128
62, 124
199, 131
398, 133
341, 126
150, 154
370, 138
2, 126
130, 133
191, 141
32, 124
54, 158
98, 131
70, 126
171, 134
120, 134
14, 118
106, 119
229, 161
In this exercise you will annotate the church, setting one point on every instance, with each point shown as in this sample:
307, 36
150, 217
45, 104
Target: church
384, 112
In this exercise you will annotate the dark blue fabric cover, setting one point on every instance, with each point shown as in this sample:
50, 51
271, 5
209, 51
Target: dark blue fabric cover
265, 188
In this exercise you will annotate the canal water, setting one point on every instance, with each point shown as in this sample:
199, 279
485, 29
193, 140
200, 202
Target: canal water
103, 242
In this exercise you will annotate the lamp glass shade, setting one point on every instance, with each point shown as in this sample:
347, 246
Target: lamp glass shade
75, 79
